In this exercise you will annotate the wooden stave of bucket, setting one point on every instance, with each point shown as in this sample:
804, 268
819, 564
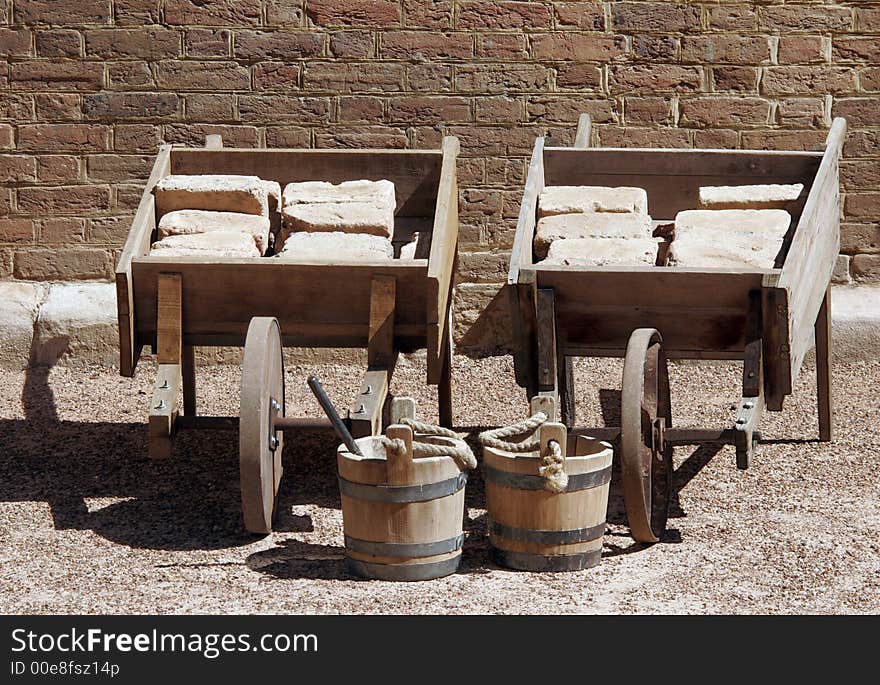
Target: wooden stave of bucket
533, 529
401, 531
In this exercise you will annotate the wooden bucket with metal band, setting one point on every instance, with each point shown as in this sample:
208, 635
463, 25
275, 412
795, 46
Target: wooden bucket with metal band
403, 517
534, 529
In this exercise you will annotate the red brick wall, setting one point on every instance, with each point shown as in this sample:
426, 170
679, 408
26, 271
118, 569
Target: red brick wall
88, 89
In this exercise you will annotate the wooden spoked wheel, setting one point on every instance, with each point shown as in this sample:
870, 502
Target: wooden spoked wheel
260, 445
646, 458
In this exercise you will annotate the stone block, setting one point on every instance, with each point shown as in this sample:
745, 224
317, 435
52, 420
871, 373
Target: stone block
335, 246
590, 225
576, 199
750, 197
603, 252
19, 304
217, 244
193, 221
213, 192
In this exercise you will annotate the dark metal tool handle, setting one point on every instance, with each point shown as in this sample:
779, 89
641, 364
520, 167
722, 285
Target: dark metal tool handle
330, 410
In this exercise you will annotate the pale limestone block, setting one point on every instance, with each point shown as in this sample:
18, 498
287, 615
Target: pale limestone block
335, 246
273, 194
591, 225
380, 193
191, 221
417, 248
19, 303
579, 199
214, 192
750, 197
218, 244
720, 223
603, 252
746, 250
347, 217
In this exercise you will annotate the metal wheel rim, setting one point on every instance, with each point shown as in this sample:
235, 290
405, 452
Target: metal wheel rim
646, 472
262, 380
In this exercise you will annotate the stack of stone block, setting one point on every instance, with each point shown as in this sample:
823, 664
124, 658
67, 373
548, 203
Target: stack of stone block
215, 215
594, 226
736, 226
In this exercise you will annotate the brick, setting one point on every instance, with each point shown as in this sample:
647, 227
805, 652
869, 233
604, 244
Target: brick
865, 268
482, 318
130, 76
855, 49
424, 45
193, 135
579, 76
641, 111
716, 139
733, 17
869, 79
795, 80
17, 231
63, 168
664, 77
490, 78
372, 14
199, 75
17, 168
615, 136
5, 201
15, 42
868, 20
741, 79
840, 275
427, 15
483, 267
279, 108
655, 47
128, 197
288, 136
495, 140
429, 109
131, 105
353, 78
137, 137
351, 44
862, 144
363, 137
802, 49
802, 112
709, 112
116, 168
111, 230
429, 77
566, 109
44, 75
276, 75
62, 265
650, 16
577, 47
62, 12
63, 199
502, 46
860, 175
208, 42
862, 206
806, 18
18, 106
212, 12
63, 230
137, 12
284, 12
148, 44
51, 137
725, 49
210, 107
58, 106
360, 109
860, 238
59, 43
499, 109
784, 140
261, 45
7, 137
503, 15
858, 111
589, 16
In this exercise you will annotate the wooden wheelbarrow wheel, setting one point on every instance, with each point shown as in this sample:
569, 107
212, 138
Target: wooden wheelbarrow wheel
262, 398
646, 458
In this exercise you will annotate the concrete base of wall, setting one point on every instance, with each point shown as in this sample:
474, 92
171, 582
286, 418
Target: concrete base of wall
74, 324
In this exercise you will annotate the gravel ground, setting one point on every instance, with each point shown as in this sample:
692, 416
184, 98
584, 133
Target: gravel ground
89, 525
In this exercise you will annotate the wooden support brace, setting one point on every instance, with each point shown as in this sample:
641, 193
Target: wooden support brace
545, 315
444, 388
823, 369
188, 367
751, 406
399, 467
169, 352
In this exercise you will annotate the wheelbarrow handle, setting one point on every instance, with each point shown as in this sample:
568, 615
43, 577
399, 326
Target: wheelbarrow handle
338, 424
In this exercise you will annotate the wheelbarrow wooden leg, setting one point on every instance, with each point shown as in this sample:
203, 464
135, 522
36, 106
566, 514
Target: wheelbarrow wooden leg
365, 412
751, 406
444, 388
169, 350
823, 369
548, 376
188, 368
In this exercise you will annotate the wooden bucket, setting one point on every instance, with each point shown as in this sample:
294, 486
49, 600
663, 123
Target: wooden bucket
403, 517
534, 529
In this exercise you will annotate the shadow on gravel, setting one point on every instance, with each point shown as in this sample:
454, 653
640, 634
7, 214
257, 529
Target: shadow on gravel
191, 501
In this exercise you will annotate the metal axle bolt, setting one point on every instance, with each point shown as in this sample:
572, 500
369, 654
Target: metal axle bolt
164, 385
748, 405
368, 391
161, 404
361, 409
273, 443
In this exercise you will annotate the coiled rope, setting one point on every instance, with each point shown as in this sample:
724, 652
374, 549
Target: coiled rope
552, 468
463, 456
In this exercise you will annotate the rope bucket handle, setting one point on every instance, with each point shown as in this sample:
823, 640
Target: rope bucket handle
552, 467
463, 455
